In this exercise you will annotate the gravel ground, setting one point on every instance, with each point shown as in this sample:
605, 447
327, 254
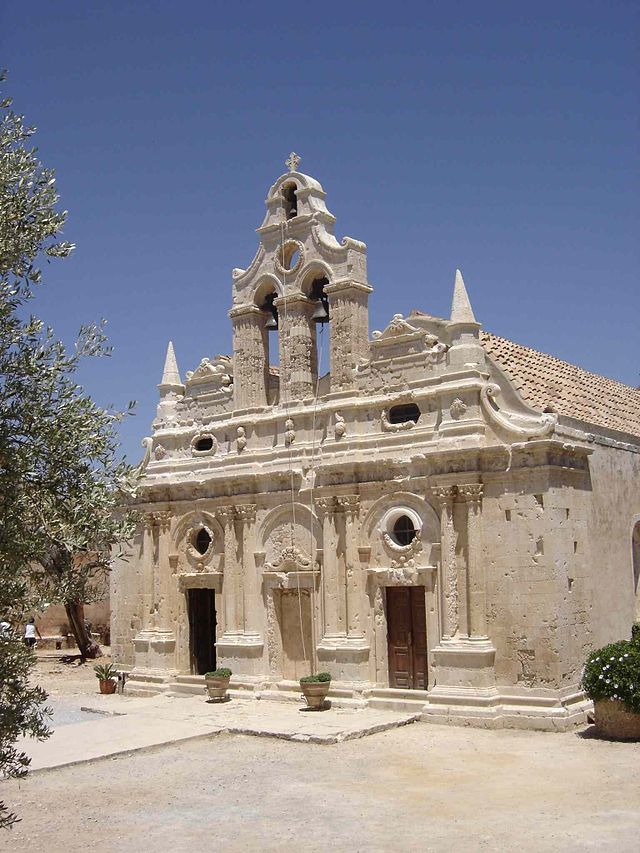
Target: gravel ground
419, 788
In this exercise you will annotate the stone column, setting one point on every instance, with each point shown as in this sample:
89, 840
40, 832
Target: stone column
476, 581
162, 574
250, 361
248, 589
350, 504
226, 516
330, 591
348, 330
448, 569
297, 347
148, 571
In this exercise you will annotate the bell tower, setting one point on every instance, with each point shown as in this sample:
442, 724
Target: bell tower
300, 277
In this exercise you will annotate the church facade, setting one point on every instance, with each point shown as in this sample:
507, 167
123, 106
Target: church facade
444, 520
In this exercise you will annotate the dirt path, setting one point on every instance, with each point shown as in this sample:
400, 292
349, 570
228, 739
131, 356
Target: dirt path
418, 788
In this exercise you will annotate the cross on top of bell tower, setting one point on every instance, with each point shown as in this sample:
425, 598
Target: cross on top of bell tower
292, 161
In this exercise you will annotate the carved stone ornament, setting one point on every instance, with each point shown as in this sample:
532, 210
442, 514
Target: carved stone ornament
387, 426
199, 437
218, 371
457, 409
292, 161
160, 452
290, 559
289, 435
286, 251
400, 331
241, 440
523, 425
340, 426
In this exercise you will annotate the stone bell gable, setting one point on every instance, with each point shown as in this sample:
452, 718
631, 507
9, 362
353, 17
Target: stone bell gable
446, 520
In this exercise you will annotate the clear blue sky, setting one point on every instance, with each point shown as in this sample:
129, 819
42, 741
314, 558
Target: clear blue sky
499, 137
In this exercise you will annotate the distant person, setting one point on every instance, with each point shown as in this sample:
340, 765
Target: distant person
30, 632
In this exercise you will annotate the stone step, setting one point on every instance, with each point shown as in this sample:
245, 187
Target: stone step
392, 699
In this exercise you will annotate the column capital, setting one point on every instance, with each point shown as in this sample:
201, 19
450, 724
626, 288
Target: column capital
348, 503
163, 520
471, 493
443, 494
149, 521
245, 311
225, 514
246, 512
326, 505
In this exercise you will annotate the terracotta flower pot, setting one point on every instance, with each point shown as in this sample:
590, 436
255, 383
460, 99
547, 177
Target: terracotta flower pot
614, 720
315, 693
107, 685
217, 687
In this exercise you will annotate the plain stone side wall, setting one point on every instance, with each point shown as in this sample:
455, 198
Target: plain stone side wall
615, 475
538, 586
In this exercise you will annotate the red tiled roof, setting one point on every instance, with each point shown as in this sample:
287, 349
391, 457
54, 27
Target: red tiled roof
544, 381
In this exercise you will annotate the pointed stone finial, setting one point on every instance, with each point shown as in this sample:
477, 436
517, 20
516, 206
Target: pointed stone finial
170, 374
461, 310
292, 161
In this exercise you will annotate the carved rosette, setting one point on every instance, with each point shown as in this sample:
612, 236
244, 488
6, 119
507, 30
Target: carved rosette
457, 409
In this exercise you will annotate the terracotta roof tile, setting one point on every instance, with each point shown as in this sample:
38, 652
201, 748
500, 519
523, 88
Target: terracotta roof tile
543, 381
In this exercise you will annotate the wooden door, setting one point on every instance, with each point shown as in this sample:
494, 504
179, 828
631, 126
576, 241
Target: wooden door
407, 637
296, 641
202, 630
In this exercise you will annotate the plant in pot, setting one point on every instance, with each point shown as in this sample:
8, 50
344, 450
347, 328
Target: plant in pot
217, 683
315, 689
106, 674
611, 679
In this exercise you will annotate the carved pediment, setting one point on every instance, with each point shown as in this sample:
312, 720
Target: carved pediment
400, 331
218, 373
290, 559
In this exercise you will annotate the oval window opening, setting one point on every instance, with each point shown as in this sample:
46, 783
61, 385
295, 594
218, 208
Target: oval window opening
204, 443
403, 414
404, 531
202, 541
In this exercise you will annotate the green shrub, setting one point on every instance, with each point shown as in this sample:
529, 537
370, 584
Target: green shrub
613, 672
105, 671
222, 672
315, 679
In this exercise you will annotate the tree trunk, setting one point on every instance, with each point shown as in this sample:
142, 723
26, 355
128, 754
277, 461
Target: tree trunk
75, 614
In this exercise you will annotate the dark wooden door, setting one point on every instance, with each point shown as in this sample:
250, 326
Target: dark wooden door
407, 636
202, 630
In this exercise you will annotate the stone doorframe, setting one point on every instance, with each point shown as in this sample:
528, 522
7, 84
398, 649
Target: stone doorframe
186, 581
273, 582
380, 578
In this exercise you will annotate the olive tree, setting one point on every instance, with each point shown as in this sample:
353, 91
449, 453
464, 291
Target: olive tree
62, 486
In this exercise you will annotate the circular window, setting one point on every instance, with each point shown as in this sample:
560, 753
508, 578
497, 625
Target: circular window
289, 256
204, 445
202, 541
404, 531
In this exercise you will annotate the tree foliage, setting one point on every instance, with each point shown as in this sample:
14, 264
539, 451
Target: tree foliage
61, 482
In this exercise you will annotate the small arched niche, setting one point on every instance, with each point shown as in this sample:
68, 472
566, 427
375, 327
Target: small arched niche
290, 199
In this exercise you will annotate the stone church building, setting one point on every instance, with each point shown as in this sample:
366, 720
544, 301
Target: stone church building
445, 520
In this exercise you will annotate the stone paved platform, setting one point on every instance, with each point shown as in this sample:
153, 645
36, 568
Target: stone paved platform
123, 724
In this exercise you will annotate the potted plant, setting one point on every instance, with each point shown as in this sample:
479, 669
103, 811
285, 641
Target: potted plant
106, 674
611, 679
217, 683
315, 689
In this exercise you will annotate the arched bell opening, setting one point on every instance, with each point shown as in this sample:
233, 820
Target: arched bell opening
264, 299
290, 200
313, 288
